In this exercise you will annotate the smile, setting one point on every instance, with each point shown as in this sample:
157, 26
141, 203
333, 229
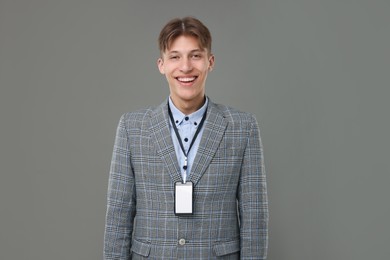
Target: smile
186, 79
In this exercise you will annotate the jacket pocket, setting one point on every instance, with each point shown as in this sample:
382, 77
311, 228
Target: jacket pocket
140, 248
225, 248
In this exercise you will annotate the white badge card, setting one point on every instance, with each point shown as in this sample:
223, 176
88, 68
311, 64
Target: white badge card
183, 198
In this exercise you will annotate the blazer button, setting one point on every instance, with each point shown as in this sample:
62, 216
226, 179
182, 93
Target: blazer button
182, 241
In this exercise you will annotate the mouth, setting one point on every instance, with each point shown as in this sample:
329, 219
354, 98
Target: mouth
186, 80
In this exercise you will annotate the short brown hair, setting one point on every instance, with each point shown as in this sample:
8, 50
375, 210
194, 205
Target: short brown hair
187, 26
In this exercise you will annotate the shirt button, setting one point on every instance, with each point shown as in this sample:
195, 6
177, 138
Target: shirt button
182, 241
186, 118
186, 139
195, 123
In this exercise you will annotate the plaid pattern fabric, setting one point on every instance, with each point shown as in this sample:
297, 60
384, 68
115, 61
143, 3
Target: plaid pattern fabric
230, 219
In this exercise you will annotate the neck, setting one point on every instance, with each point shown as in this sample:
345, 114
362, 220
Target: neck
188, 107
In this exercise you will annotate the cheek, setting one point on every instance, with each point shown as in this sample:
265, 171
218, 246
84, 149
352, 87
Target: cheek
168, 70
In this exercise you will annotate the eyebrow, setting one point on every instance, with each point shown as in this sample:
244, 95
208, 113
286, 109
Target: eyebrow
192, 51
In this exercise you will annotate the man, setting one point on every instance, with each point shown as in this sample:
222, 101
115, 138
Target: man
187, 178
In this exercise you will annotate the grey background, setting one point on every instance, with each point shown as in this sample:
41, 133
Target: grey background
315, 73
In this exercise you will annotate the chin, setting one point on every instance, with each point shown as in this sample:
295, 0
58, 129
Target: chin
189, 97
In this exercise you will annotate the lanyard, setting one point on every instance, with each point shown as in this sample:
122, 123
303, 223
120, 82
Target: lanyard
181, 143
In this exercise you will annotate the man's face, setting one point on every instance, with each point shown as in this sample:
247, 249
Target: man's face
185, 66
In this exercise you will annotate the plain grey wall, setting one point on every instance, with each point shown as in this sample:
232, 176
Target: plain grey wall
315, 73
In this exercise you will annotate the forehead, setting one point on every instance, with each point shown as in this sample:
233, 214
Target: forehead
184, 43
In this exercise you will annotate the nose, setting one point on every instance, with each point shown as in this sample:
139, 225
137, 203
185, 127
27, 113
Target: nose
186, 65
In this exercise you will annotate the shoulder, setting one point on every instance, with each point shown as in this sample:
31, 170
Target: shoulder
137, 115
234, 115
137, 118
239, 122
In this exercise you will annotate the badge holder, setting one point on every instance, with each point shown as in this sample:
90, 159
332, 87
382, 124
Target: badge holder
184, 198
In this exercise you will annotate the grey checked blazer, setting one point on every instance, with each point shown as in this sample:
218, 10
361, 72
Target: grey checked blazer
230, 219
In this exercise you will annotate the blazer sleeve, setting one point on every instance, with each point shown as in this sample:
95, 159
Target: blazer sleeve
120, 199
252, 198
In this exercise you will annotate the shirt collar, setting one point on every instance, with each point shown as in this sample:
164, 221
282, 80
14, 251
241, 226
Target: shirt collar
194, 117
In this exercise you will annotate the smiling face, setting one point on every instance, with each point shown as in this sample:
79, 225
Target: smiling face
186, 65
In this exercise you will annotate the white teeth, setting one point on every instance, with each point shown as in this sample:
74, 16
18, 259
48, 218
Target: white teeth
186, 79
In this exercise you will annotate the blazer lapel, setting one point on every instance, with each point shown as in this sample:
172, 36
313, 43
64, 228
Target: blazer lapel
161, 136
214, 129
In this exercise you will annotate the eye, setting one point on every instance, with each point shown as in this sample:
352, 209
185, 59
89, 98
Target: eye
174, 57
196, 56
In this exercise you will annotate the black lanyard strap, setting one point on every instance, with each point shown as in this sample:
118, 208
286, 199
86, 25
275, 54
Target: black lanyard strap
177, 131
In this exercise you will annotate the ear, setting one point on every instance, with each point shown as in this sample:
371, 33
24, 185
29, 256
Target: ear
211, 62
160, 65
